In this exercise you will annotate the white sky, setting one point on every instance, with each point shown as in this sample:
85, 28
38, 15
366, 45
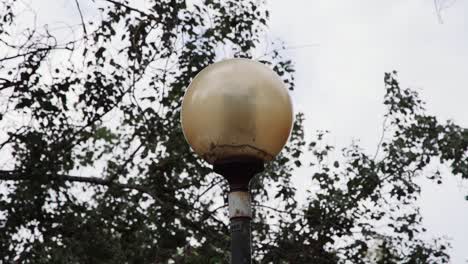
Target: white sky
339, 80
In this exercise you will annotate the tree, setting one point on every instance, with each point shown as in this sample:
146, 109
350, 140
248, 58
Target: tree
100, 172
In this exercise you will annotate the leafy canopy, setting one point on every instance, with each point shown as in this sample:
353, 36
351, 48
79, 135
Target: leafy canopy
99, 172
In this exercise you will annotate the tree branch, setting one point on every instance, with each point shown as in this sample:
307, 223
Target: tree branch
24, 54
81, 16
17, 176
384, 129
129, 8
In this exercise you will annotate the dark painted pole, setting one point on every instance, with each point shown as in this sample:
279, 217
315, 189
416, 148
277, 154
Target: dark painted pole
241, 250
239, 172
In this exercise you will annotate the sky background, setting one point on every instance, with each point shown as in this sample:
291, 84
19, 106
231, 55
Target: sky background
341, 50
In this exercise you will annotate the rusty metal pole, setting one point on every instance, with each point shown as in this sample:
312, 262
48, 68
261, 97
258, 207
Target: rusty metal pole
239, 172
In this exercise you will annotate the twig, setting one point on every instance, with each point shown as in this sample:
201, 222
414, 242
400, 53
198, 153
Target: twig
24, 54
283, 48
129, 8
280, 211
384, 129
209, 188
81, 17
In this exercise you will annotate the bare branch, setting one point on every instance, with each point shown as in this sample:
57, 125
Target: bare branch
81, 17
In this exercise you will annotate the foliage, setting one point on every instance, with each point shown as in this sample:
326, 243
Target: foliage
110, 107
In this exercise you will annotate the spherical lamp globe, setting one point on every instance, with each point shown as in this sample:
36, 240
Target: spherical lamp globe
237, 108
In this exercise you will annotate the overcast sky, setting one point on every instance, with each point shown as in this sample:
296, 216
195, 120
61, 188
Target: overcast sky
342, 49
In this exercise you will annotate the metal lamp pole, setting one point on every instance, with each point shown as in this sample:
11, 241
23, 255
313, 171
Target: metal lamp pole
238, 172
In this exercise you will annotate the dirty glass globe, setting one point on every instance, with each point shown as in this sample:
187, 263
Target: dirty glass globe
237, 108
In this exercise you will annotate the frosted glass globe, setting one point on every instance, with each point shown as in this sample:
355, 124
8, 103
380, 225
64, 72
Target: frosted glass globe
237, 108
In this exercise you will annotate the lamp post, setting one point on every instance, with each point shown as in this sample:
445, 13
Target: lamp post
237, 114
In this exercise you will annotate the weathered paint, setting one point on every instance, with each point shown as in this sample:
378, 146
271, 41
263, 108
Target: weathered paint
239, 204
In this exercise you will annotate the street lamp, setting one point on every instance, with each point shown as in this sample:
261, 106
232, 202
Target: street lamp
237, 114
